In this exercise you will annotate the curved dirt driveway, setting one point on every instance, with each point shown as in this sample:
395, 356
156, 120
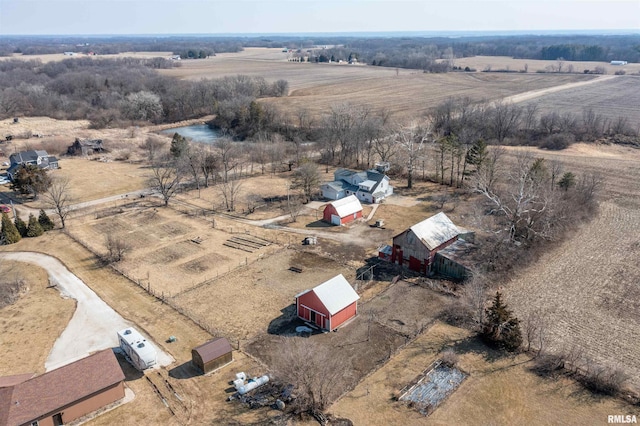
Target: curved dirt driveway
94, 323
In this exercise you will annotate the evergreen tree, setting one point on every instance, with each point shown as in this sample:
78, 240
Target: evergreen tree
567, 181
20, 226
179, 145
31, 179
44, 220
34, 229
501, 328
8, 233
478, 153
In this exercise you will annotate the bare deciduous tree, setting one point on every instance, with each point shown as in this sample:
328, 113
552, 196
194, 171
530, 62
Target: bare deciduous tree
117, 247
230, 191
58, 197
306, 178
166, 178
153, 145
504, 119
411, 140
312, 370
228, 156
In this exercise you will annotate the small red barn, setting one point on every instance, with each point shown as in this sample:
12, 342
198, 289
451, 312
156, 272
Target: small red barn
328, 305
343, 211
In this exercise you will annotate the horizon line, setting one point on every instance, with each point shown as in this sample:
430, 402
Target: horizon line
430, 33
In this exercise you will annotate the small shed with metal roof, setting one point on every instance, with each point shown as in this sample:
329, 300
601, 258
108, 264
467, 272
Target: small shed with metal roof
343, 211
212, 355
329, 305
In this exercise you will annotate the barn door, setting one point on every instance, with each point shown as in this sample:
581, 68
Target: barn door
335, 220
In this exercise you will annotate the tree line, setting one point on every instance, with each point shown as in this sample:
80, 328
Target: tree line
112, 91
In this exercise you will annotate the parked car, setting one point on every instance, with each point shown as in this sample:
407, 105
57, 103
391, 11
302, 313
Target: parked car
5, 209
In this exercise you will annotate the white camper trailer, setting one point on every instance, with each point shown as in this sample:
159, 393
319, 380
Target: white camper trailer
140, 351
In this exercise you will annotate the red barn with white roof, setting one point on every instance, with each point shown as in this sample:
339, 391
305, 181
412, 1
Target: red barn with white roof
343, 211
328, 305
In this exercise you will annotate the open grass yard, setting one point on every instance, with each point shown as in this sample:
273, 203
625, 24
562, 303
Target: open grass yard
30, 326
499, 390
245, 302
611, 98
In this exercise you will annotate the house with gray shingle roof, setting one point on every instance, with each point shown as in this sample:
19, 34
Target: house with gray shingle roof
369, 186
36, 158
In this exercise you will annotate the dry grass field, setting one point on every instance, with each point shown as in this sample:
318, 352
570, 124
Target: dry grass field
31, 325
498, 391
612, 98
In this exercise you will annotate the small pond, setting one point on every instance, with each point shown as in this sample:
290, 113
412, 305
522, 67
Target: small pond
197, 133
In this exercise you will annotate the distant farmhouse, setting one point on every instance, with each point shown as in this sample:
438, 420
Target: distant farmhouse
36, 158
433, 246
62, 395
370, 186
343, 211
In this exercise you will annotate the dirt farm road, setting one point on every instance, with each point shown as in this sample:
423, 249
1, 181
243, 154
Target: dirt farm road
94, 323
521, 97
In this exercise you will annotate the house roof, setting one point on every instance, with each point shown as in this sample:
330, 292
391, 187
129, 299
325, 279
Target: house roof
213, 349
34, 398
436, 230
369, 181
8, 381
347, 205
336, 294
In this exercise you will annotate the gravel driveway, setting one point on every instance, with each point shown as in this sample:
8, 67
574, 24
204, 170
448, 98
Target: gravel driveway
94, 323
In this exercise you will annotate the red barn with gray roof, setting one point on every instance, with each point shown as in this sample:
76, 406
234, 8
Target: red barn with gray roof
417, 246
328, 305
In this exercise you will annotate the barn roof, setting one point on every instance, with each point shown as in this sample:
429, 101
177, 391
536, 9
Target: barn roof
435, 230
58, 388
347, 205
213, 349
336, 294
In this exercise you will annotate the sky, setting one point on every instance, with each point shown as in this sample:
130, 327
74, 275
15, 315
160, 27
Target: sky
67, 17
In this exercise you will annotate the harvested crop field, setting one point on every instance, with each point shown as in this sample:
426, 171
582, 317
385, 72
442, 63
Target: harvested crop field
407, 93
482, 63
588, 287
611, 98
